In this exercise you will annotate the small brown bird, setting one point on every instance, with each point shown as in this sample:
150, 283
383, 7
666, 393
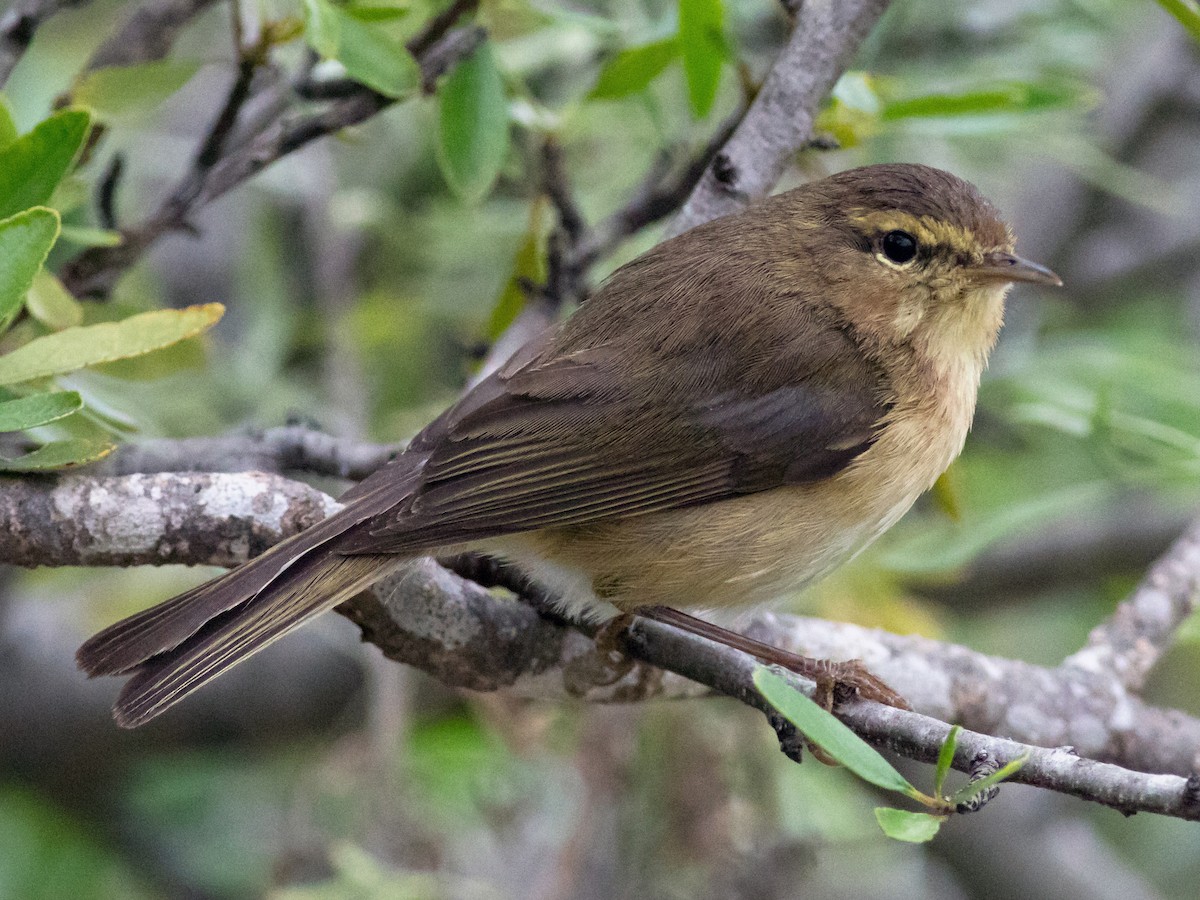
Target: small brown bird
729, 417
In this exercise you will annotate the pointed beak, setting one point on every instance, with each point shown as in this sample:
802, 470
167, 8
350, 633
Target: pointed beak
1000, 266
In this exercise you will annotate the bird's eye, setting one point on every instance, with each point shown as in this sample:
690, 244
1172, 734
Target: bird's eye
899, 246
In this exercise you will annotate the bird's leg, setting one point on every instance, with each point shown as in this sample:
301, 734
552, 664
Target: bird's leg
835, 680
610, 663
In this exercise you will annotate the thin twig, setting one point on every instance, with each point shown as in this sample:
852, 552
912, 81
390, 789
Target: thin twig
94, 271
779, 121
293, 448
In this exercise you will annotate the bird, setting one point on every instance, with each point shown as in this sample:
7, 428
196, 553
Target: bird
728, 418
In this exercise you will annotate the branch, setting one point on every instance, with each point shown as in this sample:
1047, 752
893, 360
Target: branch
279, 133
467, 636
193, 519
148, 34
463, 635
278, 450
1127, 646
779, 122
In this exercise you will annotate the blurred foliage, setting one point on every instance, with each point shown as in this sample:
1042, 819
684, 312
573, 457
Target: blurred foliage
362, 276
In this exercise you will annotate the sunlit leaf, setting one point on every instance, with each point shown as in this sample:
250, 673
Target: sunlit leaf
51, 303
8, 128
38, 409
89, 345
83, 236
1187, 12
376, 12
473, 125
371, 56
25, 241
32, 165
634, 68
114, 91
702, 42
58, 455
824, 730
911, 827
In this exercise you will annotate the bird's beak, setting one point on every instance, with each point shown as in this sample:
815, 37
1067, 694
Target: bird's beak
1001, 266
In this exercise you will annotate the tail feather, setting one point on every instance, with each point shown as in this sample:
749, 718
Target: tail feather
126, 644
312, 587
175, 647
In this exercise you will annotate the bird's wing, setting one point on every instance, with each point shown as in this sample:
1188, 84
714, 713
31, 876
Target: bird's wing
573, 437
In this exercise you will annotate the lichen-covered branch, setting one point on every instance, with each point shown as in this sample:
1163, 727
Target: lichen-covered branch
465, 635
824, 40
1130, 642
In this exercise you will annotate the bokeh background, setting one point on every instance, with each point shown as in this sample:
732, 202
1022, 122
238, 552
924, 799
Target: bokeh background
361, 291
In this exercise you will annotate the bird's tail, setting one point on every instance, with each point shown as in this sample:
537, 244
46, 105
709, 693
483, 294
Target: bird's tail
172, 649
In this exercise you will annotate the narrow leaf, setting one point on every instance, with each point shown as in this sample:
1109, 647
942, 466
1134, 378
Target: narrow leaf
38, 409
912, 827
824, 730
702, 43
975, 788
945, 760
370, 55
83, 236
51, 303
32, 165
632, 70
88, 345
1187, 12
25, 240
115, 91
377, 12
473, 125
529, 265
58, 455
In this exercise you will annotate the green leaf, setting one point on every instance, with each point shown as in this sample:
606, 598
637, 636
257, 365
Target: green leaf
1187, 12
912, 827
370, 55
51, 303
1008, 97
376, 12
824, 730
473, 125
25, 241
632, 70
945, 760
89, 345
529, 264
8, 128
975, 788
84, 236
58, 455
115, 91
951, 545
38, 409
32, 166
703, 45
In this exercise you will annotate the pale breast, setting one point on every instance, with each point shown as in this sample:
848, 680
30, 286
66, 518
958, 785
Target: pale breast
753, 549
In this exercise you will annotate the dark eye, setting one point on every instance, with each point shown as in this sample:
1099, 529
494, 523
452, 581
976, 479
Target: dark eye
899, 246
